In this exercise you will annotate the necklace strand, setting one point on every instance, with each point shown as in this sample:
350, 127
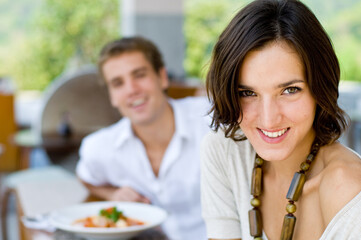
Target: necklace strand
293, 194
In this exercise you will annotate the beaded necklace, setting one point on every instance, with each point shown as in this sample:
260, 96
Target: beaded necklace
294, 192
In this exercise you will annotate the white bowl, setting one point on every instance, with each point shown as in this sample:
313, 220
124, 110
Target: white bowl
63, 219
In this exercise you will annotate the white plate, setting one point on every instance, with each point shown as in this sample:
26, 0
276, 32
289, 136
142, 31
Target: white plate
153, 216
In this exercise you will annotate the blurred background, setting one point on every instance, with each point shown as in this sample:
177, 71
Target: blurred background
45, 43
50, 96
39, 39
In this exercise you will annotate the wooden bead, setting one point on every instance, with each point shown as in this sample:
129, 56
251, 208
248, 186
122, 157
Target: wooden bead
255, 222
255, 202
295, 190
256, 187
315, 148
305, 166
259, 161
310, 157
288, 227
291, 208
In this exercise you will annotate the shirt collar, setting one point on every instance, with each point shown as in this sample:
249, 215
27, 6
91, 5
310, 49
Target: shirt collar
180, 116
124, 131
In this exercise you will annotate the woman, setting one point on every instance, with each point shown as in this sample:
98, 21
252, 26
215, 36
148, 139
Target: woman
274, 157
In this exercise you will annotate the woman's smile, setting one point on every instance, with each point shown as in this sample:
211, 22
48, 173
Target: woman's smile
273, 137
277, 107
274, 134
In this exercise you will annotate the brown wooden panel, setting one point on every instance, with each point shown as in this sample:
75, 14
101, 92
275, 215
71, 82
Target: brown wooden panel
181, 90
9, 156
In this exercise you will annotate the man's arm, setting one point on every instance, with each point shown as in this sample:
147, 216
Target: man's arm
111, 193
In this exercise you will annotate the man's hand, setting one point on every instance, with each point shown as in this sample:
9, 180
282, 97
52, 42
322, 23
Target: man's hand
111, 193
128, 194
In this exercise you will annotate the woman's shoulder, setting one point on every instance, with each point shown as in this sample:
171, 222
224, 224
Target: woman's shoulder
219, 140
340, 178
340, 163
216, 147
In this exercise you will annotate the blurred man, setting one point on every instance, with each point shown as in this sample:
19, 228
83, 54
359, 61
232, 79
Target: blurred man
152, 154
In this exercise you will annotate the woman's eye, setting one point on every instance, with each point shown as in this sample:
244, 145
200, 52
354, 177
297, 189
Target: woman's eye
292, 90
246, 93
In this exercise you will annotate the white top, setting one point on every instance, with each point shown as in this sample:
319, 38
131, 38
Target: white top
114, 155
225, 187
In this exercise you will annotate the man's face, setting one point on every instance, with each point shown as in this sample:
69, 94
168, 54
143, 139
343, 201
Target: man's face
135, 88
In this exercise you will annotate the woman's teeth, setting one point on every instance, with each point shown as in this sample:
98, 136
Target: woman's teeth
274, 134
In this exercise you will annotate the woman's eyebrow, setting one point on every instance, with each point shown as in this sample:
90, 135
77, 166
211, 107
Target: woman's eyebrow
241, 86
282, 85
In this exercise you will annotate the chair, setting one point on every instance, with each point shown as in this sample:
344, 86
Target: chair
84, 101
83, 97
80, 95
52, 175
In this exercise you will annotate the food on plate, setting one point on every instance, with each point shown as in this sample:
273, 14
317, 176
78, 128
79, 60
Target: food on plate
108, 218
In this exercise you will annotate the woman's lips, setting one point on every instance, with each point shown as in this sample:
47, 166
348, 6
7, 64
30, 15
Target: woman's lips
273, 136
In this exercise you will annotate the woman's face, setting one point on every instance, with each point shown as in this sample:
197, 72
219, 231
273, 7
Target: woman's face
278, 109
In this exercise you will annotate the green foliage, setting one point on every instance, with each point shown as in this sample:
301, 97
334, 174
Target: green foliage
325, 10
342, 21
13, 29
61, 33
206, 19
204, 22
345, 31
34, 50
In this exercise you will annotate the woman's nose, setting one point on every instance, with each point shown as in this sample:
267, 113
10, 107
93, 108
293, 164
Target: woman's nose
269, 113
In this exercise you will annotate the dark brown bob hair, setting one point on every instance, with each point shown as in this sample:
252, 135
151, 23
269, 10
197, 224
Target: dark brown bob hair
262, 22
131, 44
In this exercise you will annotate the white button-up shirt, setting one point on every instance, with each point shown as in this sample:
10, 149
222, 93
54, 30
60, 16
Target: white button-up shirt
114, 155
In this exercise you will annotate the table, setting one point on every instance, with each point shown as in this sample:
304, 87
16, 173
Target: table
62, 235
42, 197
54, 144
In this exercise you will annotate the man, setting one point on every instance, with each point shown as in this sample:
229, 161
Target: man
152, 154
